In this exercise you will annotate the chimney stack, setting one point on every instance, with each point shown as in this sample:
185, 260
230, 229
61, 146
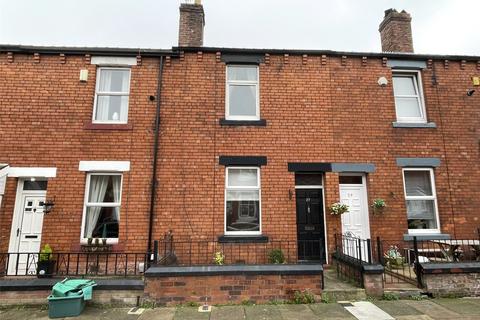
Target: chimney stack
192, 21
396, 31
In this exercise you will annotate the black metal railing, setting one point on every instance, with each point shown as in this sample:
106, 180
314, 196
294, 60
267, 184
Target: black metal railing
351, 254
354, 248
403, 259
92, 264
205, 252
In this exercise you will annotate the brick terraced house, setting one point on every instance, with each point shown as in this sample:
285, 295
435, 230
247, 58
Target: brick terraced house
228, 145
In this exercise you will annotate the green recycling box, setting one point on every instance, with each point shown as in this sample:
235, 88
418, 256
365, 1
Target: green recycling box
68, 306
68, 297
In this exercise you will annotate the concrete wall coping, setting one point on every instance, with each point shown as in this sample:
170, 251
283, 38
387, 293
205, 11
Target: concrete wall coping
36, 284
451, 267
269, 269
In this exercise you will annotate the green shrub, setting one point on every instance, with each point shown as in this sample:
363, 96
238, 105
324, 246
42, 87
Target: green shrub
390, 296
219, 258
45, 253
276, 256
303, 297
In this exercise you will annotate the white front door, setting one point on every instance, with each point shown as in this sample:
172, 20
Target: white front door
355, 222
26, 234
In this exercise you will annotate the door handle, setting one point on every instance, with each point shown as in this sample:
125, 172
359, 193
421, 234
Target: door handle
18, 231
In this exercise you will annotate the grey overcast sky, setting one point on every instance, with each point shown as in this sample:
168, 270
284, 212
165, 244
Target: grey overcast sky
439, 26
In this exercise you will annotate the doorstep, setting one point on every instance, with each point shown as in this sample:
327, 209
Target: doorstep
46, 284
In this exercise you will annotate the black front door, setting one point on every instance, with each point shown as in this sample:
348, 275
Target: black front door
310, 225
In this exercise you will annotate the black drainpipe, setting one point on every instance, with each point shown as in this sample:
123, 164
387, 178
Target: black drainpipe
153, 191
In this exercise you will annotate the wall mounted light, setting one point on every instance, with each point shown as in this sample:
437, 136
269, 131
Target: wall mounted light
470, 92
47, 205
382, 81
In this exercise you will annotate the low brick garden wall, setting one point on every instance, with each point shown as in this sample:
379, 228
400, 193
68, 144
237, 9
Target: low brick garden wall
231, 284
371, 275
452, 279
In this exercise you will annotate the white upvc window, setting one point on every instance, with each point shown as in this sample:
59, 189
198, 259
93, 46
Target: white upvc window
111, 95
242, 201
421, 200
409, 102
101, 212
242, 93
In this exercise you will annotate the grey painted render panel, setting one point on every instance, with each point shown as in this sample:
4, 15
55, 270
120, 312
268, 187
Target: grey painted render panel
243, 58
414, 125
418, 162
353, 167
406, 64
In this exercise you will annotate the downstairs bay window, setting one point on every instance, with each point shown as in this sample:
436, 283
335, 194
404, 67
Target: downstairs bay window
242, 201
101, 214
421, 200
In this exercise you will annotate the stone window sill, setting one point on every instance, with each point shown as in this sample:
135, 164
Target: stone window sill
424, 237
105, 126
414, 125
234, 123
243, 239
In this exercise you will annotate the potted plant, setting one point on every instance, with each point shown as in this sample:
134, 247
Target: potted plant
219, 258
379, 206
276, 256
394, 258
46, 263
338, 208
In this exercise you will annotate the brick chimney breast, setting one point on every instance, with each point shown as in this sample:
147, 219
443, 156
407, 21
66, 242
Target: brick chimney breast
192, 22
396, 31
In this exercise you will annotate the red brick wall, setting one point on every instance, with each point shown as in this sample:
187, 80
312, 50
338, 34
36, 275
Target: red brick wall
229, 288
318, 109
44, 108
329, 111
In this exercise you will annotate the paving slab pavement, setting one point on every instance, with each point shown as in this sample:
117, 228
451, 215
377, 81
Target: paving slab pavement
228, 312
297, 312
432, 309
330, 311
436, 309
158, 314
397, 308
190, 313
263, 312
461, 306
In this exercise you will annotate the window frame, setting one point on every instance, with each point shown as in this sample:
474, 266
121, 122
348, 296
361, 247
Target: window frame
243, 188
418, 84
242, 83
86, 204
109, 93
432, 197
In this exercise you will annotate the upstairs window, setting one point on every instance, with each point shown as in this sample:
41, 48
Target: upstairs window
111, 95
409, 103
242, 201
242, 93
421, 200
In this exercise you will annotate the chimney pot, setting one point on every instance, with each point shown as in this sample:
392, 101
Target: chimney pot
192, 22
396, 31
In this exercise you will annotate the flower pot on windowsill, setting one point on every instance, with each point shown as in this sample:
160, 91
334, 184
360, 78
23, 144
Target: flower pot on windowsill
96, 248
45, 269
